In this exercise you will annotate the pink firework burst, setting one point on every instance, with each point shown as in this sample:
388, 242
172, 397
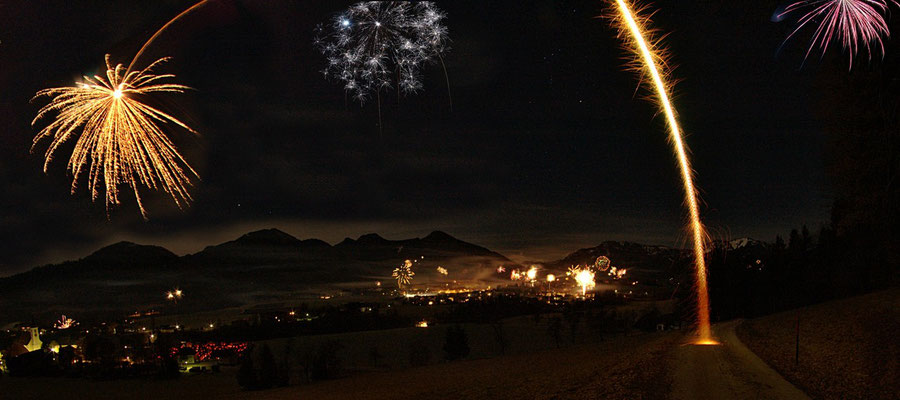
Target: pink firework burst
855, 23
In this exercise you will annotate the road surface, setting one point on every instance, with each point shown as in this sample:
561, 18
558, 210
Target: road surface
727, 371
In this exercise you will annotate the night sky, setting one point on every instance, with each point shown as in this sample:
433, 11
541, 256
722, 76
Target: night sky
548, 147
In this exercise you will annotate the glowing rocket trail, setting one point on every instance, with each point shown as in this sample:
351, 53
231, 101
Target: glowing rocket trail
650, 56
160, 31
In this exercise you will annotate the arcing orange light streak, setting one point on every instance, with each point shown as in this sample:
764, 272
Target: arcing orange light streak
160, 31
649, 56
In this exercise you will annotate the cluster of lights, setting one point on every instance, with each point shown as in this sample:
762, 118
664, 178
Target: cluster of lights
206, 351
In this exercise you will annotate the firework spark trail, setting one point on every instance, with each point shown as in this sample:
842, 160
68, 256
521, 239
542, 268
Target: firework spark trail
855, 23
120, 140
633, 30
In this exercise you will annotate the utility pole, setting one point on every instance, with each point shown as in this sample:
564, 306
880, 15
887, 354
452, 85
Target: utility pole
797, 349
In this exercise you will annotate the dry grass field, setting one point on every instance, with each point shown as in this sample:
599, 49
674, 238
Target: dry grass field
849, 349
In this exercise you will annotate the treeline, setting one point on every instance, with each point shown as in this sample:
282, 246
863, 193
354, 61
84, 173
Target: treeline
805, 269
859, 250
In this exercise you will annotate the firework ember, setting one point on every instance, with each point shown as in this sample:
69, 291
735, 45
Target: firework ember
515, 275
585, 279
64, 323
174, 295
532, 273
617, 273
602, 263
404, 274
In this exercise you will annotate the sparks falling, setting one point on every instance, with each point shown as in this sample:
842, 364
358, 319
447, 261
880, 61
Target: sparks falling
649, 55
532, 273
118, 139
855, 24
617, 272
515, 275
64, 323
585, 279
404, 274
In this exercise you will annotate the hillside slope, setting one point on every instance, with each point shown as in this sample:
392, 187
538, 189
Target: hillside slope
848, 348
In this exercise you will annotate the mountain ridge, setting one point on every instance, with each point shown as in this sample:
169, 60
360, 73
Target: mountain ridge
263, 265
270, 265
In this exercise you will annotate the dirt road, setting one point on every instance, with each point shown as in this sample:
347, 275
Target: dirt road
727, 371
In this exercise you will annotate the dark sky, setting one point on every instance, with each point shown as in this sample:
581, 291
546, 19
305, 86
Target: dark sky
548, 147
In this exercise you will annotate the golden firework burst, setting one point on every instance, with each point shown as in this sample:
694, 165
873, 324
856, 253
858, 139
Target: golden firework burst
119, 141
585, 279
404, 274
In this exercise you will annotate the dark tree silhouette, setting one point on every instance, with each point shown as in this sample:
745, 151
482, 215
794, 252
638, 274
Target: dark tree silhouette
246, 375
268, 369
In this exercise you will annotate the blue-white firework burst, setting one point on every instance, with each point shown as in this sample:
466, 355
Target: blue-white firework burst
378, 45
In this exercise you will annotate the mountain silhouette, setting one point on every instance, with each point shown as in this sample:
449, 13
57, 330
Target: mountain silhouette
260, 266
